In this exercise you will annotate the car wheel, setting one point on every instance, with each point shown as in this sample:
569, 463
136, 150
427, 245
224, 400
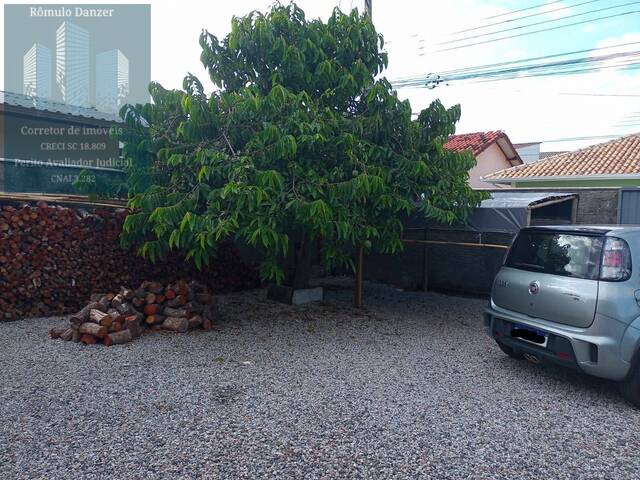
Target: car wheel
630, 386
510, 351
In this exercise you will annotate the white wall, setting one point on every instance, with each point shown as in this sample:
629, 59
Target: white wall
489, 161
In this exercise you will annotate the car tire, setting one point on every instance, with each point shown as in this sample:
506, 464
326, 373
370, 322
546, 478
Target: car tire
630, 386
510, 351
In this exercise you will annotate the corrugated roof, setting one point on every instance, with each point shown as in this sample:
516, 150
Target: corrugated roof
616, 157
521, 199
46, 105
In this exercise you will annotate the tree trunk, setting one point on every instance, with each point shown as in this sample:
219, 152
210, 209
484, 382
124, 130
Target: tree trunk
302, 261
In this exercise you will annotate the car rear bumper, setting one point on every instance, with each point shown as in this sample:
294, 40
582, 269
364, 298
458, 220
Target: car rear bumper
594, 350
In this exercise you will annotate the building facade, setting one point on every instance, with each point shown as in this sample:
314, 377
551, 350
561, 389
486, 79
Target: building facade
37, 72
112, 80
72, 64
492, 150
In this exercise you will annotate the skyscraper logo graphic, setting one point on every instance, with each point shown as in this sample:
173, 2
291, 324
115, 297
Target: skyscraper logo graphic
72, 64
112, 80
73, 71
37, 72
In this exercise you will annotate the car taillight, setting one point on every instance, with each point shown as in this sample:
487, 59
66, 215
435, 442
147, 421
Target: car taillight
616, 260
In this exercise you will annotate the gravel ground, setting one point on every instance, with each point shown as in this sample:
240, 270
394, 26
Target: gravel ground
409, 387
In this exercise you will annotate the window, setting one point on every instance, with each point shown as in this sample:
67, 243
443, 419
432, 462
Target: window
562, 254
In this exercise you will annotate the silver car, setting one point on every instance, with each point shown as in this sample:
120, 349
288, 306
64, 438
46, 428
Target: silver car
570, 295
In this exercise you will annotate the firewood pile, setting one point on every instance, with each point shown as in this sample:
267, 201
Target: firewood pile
113, 319
53, 257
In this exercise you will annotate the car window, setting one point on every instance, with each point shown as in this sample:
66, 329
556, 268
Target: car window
563, 254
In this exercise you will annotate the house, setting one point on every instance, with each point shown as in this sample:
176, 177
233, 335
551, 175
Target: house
493, 151
612, 164
44, 144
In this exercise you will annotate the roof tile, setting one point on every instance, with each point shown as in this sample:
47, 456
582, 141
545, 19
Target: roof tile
617, 157
476, 142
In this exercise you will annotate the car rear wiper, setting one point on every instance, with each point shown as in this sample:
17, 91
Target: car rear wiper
528, 265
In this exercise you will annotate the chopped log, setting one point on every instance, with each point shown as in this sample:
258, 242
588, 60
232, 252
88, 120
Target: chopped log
154, 319
134, 317
182, 287
67, 335
117, 338
195, 322
93, 329
150, 298
88, 339
175, 312
134, 327
170, 294
96, 315
57, 332
117, 301
176, 324
152, 309
206, 324
104, 302
83, 315
155, 287
126, 293
174, 302
115, 327
138, 302
125, 308
76, 336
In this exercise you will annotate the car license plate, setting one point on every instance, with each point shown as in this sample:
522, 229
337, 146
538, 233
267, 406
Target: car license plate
528, 334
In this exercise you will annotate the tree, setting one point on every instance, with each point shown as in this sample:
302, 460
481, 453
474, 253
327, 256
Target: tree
302, 148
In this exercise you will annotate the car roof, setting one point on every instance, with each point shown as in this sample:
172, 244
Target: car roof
589, 229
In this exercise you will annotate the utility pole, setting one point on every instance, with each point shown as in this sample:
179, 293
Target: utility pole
367, 8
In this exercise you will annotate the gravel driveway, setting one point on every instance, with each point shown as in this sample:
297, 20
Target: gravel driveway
409, 387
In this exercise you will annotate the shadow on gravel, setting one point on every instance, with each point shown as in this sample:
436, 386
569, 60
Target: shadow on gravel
555, 376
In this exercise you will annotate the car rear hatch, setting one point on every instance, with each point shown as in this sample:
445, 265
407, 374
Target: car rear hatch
552, 275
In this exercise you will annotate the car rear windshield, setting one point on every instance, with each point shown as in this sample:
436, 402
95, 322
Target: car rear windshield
556, 253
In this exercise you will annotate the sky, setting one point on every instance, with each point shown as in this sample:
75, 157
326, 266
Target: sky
527, 109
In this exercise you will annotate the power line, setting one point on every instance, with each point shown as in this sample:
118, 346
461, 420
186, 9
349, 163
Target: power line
532, 59
631, 12
523, 17
569, 66
577, 71
522, 9
520, 27
623, 95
